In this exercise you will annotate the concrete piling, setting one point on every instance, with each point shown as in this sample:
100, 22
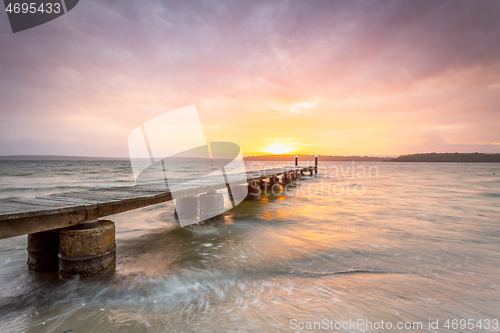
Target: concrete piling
211, 205
264, 186
274, 183
43, 248
239, 191
253, 191
87, 250
285, 180
187, 208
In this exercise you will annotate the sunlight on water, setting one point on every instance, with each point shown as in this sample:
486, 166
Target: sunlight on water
411, 243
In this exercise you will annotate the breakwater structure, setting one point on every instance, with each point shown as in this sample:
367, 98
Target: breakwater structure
66, 232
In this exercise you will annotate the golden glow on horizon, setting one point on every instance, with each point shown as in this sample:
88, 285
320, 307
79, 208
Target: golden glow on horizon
278, 149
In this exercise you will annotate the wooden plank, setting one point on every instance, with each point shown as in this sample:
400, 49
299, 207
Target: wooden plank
99, 197
29, 225
54, 201
125, 205
15, 210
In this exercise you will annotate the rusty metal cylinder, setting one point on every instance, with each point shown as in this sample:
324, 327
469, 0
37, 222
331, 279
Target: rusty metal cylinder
43, 248
87, 252
211, 205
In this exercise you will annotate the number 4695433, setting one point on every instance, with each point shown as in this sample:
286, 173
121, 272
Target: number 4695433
33, 8
472, 324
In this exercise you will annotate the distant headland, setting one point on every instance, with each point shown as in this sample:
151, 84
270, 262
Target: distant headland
449, 157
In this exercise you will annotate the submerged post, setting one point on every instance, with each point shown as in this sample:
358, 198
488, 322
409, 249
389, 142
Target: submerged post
316, 164
296, 160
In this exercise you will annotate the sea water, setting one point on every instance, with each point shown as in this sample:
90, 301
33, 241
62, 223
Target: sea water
409, 245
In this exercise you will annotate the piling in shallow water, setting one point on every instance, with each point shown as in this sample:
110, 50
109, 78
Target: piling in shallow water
274, 182
211, 205
253, 191
43, 248
187, 208
87, 252
285, 179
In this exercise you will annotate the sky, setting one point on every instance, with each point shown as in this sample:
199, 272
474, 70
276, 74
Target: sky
328, 77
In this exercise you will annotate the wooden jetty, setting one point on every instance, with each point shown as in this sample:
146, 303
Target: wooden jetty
64, 231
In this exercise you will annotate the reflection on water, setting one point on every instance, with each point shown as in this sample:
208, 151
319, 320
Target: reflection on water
421, 243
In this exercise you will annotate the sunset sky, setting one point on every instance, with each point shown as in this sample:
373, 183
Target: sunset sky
316, 77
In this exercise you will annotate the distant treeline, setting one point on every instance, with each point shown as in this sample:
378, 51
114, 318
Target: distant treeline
449, 157
291, 158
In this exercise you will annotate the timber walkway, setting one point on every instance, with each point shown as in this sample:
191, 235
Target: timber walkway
55, 211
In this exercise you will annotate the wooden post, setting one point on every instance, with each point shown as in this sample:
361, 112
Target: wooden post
316, 164
296, 160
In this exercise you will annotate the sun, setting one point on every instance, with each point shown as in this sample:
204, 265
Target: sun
278, 149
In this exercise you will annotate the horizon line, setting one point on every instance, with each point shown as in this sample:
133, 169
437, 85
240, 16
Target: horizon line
76, 157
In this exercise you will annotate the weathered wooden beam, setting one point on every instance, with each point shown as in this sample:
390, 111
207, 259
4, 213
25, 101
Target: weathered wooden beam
30, 225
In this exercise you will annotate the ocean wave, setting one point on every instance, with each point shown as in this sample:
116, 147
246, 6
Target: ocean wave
350, 271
